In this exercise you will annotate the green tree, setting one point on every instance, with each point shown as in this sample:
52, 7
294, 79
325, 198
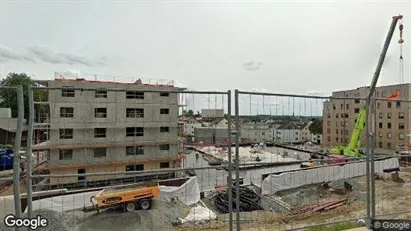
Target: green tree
8, 97
316, 126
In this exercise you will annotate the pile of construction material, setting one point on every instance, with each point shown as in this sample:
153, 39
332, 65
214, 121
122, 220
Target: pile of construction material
322, 207
249, 200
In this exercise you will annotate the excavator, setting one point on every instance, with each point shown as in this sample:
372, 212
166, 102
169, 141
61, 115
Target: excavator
340, 153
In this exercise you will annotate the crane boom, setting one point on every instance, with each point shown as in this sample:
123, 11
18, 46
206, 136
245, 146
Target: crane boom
353, 147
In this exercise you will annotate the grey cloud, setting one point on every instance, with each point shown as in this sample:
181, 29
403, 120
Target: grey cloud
252, 65
7, 54
46, 54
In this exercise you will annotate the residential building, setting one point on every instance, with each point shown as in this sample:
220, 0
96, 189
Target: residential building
306, 134
108, 131
390, 119
257, 132
289, 133
8, 127
189, 124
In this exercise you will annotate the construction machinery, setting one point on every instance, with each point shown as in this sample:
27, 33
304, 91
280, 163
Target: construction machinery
338, 154
130, 197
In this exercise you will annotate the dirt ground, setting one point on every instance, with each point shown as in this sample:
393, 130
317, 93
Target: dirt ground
391, 197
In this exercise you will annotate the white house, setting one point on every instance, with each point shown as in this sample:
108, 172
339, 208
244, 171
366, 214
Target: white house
257, 132
289, 133
190, 124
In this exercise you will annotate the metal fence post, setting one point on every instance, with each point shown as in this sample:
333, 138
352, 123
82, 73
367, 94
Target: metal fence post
230, 165
367, 163
372, 161
16, 152
29, 154
237, 161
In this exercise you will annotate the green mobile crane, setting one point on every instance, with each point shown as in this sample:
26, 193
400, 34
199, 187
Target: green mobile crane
353, 147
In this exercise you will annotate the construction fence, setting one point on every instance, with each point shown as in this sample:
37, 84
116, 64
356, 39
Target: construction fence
267, 164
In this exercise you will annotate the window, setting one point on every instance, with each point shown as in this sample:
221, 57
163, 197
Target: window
389, 146
347, 106
134, 150
164, 147
67, 92
389, 115
164, 94
380, 125
134, 95
336, 139
328, 115
334, 108
67, 112
389, 125
380, 134
398, 104
342, 123
400, 115
346, 132
328, 123
66, 154
66, 133
357, 101
100, 152
328, 130
164, 164
336, 132
167, 129
296, 133
135, 131
380, 144
380, 115
401, 136
356, 110
337, 115
100, 94
346, 115
134, 112
342, 106
164, 111
389, 135
378, 105
100, 112
100, 132
401, 126
342, 115
388, 104
328, 138
81, 171
137, 167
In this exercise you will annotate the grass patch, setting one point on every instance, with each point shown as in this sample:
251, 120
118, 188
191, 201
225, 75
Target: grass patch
336, 227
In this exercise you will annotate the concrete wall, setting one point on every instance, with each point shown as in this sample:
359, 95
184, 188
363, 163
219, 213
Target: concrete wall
97, 169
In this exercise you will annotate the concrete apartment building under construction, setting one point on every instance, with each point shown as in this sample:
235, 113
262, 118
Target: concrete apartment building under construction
108, 131
391, 119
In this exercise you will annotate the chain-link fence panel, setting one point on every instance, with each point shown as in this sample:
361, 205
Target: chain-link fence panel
127, 156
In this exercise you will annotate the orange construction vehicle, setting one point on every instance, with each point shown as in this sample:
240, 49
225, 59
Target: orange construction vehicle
131, 197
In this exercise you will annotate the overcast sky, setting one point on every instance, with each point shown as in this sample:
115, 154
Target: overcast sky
302, 48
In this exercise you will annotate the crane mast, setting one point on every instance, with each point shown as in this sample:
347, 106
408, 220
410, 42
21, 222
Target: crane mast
353, 149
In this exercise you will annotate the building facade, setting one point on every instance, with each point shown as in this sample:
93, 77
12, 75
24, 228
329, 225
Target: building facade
109, 131
257, 132
390, 118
